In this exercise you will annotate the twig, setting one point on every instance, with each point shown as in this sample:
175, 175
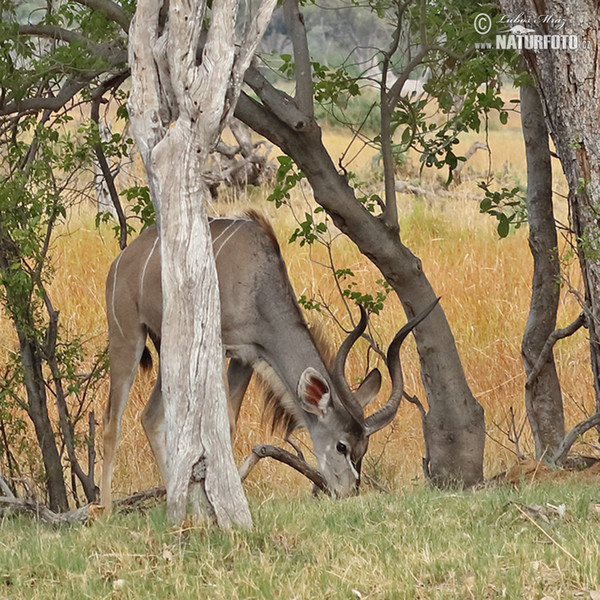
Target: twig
427, 458
516, 505
374, 483
516, 434
296, 448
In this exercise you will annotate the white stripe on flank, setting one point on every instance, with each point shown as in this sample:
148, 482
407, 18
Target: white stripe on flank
239, 223
114, 291
146, 266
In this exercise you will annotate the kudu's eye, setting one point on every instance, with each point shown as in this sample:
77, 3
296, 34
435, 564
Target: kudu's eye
342, 448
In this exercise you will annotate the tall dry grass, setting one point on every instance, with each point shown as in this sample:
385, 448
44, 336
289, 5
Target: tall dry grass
484, 283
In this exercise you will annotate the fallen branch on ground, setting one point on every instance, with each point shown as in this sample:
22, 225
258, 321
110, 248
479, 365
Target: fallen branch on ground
30, 507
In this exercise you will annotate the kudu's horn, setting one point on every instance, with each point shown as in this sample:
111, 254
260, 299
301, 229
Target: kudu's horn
338, 374
385, 415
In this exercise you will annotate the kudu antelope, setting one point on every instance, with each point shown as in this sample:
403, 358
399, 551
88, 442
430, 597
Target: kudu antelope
263, 329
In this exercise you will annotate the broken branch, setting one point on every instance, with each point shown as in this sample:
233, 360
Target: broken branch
265, 450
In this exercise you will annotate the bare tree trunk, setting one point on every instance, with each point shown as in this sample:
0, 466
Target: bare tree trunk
37, 408
567, 80
169, 85
543, 398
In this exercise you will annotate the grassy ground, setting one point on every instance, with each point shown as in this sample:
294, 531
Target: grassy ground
419, 544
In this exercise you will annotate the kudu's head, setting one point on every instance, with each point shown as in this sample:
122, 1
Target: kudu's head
336, 422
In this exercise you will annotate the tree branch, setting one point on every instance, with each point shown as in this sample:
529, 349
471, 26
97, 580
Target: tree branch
302, 70
264, 451
557, 334
571, 437
53, 32
112, 10
281, 105
389, 101
103, 162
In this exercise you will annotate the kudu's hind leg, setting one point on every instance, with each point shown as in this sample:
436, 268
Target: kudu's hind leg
153, 421
124, 360
239, 375
153, 417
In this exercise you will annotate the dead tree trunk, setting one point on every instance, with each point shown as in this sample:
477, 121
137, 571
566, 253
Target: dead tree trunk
543, 398
170, 85
567, 80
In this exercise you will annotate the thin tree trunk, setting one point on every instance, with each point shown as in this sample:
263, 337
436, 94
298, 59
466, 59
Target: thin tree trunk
543, 398
567, 80
38, 413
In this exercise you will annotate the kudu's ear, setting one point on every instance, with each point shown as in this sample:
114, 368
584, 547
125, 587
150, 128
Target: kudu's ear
367, 391
313, 392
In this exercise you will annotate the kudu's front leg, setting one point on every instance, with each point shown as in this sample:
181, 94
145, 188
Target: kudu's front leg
124, 361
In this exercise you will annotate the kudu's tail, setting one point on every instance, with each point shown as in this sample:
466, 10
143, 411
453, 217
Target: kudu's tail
146, 360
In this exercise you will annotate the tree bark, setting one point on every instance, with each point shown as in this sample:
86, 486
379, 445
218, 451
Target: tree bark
37, 409
171, 85
543, 397
567, 81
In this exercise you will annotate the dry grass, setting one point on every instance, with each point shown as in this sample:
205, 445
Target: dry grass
417, 545
484, 283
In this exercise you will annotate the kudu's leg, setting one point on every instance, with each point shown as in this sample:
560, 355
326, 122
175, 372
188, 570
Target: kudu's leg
153, 417
153, 421
239, 374
124, 360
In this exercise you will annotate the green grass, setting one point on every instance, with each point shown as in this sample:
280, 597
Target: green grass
417, 544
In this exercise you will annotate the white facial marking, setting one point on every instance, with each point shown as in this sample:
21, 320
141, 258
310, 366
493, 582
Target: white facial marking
354, 471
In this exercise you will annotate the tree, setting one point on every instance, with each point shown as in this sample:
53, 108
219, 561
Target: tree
171, 84
565, 77
543, 398
454, 426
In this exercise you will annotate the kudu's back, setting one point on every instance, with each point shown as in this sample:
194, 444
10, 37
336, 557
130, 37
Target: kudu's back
253, 284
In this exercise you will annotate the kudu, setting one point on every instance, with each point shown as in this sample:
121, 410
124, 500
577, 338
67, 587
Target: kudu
263, 329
